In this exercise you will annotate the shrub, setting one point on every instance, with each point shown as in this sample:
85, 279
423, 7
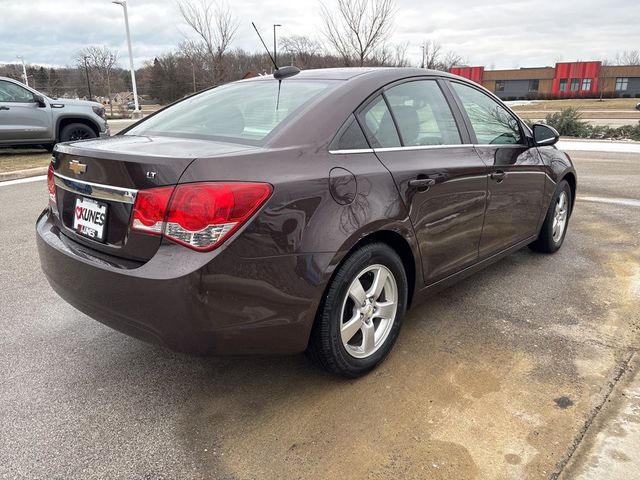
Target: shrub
568, 122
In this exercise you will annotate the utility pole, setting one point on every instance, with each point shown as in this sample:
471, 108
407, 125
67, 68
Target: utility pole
123, 3
86, 71
275, 53
24, 71
423, 54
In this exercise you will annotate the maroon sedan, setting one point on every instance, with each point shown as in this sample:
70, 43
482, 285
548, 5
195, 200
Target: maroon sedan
304, 213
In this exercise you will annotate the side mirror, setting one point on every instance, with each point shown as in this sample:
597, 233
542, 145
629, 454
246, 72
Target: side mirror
39, 99
544, 135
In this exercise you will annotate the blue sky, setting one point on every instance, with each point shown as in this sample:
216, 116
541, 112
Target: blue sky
500, 34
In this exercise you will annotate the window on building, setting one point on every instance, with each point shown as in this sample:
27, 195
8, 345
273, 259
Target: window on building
534, 85
575, 84
563, 84
499, 85
586, 85
621, 84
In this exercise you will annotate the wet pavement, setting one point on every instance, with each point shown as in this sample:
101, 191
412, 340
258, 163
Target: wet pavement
509, 374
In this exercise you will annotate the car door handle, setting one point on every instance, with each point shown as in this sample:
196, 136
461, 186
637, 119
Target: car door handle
423, 183
2, 107
498, 176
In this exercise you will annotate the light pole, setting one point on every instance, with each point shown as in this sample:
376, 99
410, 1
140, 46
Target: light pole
424, 47
275, 55
123, 3
86, 71
24, 71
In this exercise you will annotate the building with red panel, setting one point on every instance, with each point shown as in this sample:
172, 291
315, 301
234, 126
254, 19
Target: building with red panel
565, 80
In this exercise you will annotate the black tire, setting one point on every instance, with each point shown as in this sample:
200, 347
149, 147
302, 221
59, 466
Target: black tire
76, 131
545, 242
326, 348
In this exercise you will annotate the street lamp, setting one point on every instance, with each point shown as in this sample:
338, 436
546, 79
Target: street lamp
123, 3
275, 55
24, 71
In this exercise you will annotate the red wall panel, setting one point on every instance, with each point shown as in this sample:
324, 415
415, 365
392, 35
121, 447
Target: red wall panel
577, 70
472, 73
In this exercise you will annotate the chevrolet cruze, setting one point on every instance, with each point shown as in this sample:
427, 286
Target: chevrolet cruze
299, 212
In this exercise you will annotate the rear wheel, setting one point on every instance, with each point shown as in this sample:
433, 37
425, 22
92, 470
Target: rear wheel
554, 228
76, 131
359, 319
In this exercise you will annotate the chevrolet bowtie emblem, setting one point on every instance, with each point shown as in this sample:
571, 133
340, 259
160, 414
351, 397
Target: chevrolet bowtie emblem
76, 167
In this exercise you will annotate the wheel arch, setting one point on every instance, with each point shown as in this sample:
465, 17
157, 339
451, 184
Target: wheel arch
571, 179
396, 241
69, 119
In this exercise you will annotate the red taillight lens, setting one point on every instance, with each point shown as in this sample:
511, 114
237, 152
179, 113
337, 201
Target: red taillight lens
150, 210
51, 184
199, 215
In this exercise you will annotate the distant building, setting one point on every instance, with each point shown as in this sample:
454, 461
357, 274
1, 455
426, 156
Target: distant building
121, 98
565, 80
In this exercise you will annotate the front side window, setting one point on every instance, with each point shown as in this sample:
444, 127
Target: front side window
422, 114
499, 85
622, 84
377, 122
244, 112
575, 84
12, 93
586, 84
534, 85
563, 84
492, 123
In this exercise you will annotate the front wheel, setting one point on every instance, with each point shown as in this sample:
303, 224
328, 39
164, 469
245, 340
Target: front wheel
554, 228
359, 319
76, 131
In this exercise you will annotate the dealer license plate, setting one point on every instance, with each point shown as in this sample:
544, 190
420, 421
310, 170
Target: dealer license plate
90, 218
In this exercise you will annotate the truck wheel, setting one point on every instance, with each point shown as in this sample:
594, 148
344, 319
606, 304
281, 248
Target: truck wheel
76, 131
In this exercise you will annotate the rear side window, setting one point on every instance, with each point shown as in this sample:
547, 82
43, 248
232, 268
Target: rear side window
244, 112
377, 122
492, 123
350, 137
423, 114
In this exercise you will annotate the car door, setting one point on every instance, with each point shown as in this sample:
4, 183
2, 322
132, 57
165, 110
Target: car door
21, 117
442, 181
516, 173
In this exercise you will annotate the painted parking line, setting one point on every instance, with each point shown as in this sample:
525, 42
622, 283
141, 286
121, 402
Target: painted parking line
22, 180
627, 202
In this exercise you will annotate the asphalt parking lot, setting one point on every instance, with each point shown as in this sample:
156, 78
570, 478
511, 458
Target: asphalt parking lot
502, 376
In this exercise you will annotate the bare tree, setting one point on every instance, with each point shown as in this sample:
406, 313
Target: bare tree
358, 27
301, 49
392, 55
434, 58
101, 62
216, 27
628, 57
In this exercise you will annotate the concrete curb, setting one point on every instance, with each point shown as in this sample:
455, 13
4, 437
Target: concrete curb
29, 172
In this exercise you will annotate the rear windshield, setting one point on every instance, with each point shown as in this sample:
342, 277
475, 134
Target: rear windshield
244, 112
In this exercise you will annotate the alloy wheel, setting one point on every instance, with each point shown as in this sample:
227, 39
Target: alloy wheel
368, 311
560, 216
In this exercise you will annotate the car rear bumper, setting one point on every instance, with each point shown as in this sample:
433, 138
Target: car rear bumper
226, 305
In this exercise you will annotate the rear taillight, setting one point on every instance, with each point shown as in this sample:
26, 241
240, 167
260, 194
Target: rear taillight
198, 215
51, 185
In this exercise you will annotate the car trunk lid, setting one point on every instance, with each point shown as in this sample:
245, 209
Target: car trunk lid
97, 182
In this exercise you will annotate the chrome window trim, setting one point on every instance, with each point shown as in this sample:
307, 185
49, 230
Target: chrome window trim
351, 151
427, 147
95, 190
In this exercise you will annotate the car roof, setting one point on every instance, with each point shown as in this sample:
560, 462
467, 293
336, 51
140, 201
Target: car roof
348, 73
